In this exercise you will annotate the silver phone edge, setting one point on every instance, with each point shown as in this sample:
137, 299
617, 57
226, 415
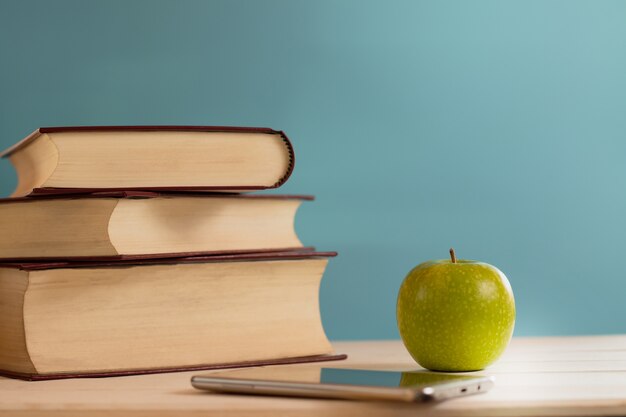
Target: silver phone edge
440, 392
436, 392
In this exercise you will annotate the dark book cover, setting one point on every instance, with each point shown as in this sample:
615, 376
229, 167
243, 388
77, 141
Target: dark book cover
129, 372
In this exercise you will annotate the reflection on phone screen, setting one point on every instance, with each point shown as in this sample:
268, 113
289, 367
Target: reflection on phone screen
386, 378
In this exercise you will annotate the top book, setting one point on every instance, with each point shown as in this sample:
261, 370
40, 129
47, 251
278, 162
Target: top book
87, 159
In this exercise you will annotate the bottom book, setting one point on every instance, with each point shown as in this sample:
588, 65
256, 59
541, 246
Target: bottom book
92, 319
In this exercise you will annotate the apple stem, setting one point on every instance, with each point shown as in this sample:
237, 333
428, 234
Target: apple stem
452, 255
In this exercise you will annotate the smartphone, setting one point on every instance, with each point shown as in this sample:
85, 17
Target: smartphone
350, 384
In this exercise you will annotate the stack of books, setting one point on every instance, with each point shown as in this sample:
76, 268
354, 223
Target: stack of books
133, 249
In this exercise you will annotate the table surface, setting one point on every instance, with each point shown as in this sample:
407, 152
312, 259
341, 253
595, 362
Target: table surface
554, 376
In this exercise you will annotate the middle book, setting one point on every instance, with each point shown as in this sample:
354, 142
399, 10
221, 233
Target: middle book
123, 225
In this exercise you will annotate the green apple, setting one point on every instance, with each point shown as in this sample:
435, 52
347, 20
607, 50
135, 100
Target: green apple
455, 315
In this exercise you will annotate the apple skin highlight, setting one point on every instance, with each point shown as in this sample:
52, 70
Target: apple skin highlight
455, 316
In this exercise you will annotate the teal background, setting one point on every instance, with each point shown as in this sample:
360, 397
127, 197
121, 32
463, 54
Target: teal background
496, 127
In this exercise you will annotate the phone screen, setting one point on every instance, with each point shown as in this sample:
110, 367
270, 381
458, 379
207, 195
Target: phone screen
386, 378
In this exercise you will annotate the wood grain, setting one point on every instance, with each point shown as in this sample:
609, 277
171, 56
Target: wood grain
536, 377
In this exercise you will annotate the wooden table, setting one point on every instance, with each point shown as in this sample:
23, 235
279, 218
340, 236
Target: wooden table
536, 377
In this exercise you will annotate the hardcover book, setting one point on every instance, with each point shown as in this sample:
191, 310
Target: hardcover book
81, 319
122, 225
80, 159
